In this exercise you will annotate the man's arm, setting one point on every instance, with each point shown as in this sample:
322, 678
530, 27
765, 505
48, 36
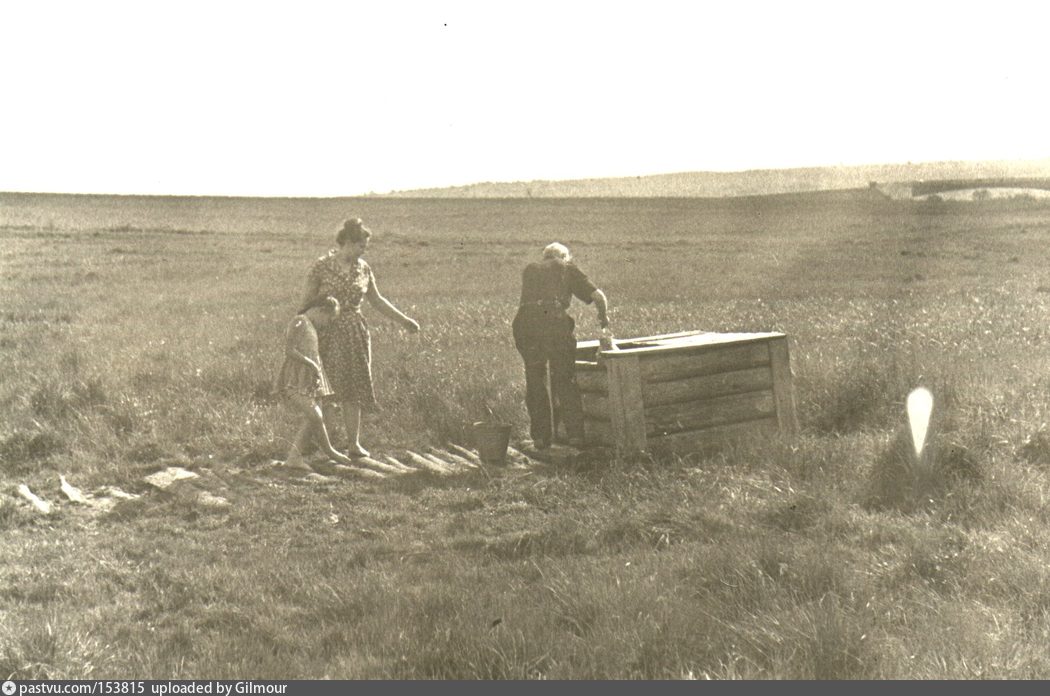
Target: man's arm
601, 303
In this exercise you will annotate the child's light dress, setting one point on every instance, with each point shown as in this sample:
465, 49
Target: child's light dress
296, 377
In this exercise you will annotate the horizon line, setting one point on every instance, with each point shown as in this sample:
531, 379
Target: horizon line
392, 192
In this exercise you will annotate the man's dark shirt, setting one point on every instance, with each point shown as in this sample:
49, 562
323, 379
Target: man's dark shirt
552, 282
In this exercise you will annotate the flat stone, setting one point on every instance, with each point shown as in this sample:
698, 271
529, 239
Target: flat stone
164, 479
118, 493
74, 494
41, 505
211, 500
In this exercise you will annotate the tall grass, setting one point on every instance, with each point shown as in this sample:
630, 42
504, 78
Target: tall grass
130, 345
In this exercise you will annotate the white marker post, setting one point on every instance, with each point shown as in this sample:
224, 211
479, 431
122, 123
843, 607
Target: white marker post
920, 410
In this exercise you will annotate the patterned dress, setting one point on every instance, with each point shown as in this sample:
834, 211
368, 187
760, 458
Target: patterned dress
346, 346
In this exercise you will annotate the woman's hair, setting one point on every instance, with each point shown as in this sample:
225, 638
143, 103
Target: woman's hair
557, 251
325, 302
353, 231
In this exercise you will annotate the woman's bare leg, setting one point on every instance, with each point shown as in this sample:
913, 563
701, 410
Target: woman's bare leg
331, 411
352, 417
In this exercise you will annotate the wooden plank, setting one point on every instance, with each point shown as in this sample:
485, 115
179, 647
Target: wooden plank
705, 386
451, 466
587, 354
626, 412
592, 382
702, 361
598, 432
377, 465
589, 365
710, 438
704, 340
595, 406
450, 457
593, 343
783, 386
599, 429
398, 464
356, 472
424, 463
587, 350
706, 413
465, 453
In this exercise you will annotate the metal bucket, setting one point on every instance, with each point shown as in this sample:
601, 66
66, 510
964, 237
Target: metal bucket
492, 441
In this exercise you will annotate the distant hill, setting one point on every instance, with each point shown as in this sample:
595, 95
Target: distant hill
756, 182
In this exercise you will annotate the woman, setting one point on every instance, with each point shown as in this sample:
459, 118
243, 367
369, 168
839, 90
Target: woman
346, 347
543, 334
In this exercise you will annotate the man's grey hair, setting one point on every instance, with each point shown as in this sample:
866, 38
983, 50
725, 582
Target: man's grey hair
558, 251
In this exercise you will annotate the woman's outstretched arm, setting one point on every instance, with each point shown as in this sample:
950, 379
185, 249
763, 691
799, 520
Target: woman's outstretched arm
387, 309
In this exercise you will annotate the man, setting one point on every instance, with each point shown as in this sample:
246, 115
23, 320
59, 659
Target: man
543, 334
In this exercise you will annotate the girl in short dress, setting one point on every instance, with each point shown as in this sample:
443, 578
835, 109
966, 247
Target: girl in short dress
302, 380
347, 347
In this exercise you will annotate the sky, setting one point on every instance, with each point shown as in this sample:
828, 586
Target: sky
345, 98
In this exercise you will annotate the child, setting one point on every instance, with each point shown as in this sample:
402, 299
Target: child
302, 379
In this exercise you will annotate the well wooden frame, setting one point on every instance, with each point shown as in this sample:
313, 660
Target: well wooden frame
686, 391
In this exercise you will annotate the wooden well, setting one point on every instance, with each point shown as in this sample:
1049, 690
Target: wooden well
686, 391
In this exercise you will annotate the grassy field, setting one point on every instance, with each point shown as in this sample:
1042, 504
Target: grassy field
139, 333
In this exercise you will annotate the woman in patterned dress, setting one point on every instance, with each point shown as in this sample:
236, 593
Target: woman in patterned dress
346, 347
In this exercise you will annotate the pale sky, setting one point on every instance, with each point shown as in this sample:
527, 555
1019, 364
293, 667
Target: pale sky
342, 98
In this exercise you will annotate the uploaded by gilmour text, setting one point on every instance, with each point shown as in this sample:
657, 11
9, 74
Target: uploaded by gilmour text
160, 688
